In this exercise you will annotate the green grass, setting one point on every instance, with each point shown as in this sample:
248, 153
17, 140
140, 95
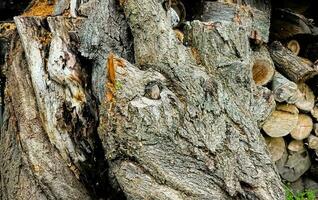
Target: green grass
306, 195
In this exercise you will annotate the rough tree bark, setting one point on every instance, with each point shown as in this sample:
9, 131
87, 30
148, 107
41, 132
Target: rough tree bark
181, 122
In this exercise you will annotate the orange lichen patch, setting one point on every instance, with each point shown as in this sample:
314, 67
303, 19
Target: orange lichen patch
79, 96
196, 55
40, 8
112, 63
7, 26
179, 35
122, 2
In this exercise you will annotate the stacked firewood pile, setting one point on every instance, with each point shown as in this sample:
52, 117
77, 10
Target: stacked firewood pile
288, 66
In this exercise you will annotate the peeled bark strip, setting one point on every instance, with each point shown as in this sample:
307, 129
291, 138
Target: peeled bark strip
276, 147
263, 67
197, 126
284, 90
296, 146
303, 128
290, 65
306, 100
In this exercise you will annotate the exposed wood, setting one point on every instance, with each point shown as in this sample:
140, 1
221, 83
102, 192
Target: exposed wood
316, 129
313, 142
284, 90
263, 67
303, 128
294, 46
287, 108
314, 112
306, 100
276, 147
290, 65
280, 123
296, 145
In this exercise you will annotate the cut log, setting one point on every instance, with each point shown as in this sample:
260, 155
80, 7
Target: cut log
287, 108
292, 167
284, 90
280, 123
306, 100
263, 67
276, 147
290, 65
314, 112
313, 142
286, 24
316, 129
303, 128
296, 145
293, 46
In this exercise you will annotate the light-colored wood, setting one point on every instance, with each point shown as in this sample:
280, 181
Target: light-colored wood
276, 147
316, 129
287, 108
306, 101
284, 90
293, 46
280, 123
314, 112
313, 142
263, 66
303, 128
296, 145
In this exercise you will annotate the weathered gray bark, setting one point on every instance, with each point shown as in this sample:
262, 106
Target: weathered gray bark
199, 140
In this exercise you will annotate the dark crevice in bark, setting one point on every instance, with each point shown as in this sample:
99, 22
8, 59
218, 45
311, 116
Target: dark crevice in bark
96, 169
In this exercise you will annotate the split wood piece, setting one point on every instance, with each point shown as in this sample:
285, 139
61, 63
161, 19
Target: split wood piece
280, 123
294, 46
287, 108
306, 100
286, 24
293, 165
316, 129
292, 66
296, 145
257, 22
276, 147
314, 112
303, 128
313, 142
263, 67
284, 90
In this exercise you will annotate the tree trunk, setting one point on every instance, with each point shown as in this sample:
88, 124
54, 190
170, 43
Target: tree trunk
112, 105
